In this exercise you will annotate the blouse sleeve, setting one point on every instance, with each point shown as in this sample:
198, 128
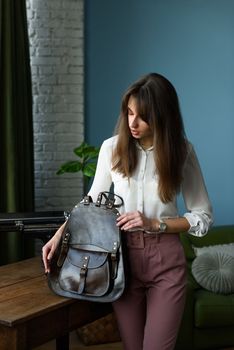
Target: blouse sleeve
102, 179
195, 196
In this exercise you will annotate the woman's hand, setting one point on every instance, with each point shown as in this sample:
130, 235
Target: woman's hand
50, 247
134, 221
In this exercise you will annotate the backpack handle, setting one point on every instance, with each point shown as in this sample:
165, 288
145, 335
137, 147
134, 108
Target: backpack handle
110, 202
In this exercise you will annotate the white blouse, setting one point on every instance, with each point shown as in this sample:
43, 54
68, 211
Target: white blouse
140, 191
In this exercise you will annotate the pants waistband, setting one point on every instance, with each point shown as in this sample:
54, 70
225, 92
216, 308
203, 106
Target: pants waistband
139, 239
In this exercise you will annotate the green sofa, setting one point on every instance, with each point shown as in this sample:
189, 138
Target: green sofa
208, 320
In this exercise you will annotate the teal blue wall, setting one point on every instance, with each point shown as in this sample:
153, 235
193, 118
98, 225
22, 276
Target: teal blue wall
191, 42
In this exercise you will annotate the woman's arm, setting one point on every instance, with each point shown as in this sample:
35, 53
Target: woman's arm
199, 211
50, 247
138, 221
102, 180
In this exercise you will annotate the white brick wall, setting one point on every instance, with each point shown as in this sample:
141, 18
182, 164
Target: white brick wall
56, 49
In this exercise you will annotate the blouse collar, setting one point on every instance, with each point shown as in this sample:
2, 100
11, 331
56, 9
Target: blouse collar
142, 149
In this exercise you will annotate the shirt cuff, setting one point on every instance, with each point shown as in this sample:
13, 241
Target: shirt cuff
199, 223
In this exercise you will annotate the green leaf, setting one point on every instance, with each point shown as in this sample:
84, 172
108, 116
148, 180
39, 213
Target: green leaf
89, 169
87, 161
82, 150
93, 154
78, 151
86, 151
70, 167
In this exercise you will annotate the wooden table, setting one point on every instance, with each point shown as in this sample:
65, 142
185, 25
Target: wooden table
31, 314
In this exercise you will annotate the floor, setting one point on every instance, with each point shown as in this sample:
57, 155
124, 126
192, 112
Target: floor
75, 344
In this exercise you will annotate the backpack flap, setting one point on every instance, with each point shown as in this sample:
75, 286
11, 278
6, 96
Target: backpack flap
85, 272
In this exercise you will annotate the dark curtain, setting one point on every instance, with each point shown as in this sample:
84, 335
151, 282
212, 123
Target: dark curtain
16, 126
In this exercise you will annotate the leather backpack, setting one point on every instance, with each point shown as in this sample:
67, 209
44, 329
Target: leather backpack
88, 263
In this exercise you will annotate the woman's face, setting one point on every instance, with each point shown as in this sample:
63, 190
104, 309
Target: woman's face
138, 127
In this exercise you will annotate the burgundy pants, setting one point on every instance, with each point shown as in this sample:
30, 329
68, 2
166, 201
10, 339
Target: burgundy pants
150, 310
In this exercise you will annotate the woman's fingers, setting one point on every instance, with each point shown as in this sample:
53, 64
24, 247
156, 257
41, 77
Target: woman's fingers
130, 220
47, 254
45, 259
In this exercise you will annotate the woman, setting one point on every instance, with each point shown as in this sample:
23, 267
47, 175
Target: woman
150, 161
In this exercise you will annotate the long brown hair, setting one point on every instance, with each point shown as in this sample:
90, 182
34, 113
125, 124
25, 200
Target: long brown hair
158, 105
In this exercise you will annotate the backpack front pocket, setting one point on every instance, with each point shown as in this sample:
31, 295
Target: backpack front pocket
86, 272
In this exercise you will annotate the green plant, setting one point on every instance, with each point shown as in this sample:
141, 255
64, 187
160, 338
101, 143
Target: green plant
86, 163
